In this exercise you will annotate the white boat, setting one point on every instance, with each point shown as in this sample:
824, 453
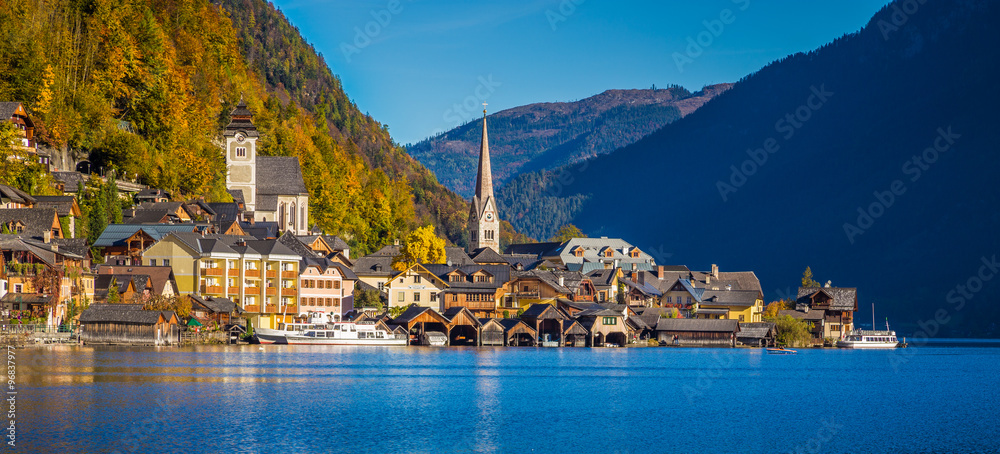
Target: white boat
871, 339
346, 333
317, 320
863, 338
434, 338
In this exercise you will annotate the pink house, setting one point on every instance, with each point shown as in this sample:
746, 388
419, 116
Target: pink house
327, 287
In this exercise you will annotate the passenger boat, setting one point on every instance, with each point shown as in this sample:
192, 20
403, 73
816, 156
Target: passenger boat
317, 320
346, 333
861, 338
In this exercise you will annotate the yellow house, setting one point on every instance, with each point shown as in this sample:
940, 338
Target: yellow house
261, 276
416, 285
742, 305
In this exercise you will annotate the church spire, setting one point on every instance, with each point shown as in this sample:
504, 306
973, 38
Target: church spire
484, 179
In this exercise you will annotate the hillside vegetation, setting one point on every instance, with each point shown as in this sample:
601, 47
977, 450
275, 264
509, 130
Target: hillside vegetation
173, 69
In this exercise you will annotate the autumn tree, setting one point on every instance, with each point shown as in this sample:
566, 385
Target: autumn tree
772, 309
367, 298
180, 305
792, 332
566, 233
421, 246
807, 278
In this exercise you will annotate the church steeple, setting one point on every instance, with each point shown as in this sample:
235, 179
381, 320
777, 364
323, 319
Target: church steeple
484, 225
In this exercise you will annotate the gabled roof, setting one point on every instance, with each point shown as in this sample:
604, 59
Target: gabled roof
512, 323
217, 305
500, 273
536, 249
116, 234
487, 255
65, 205
643, 288
543, 312
121, 313
453, 312
413, 312
279, 175
729, 297
370, 265
456, 256
758, 330
261, 229
37, 221
700, 325
843, 298
159, 276
70, 180
225, 212
16, 195
8, 109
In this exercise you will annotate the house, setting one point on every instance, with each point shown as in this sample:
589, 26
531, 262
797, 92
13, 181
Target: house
692, 332
326, 286
159, 213
375, 269
38, 223
66, 208
11, 197
262, 276
638, 293
547, 286
588, 254
14, 112
415, 285
463, 326
480, 288
128, 324
159, 279
124, 244
605, 283
38, 268
121, 288
271, 187
830, 310
418, 320
326, 245
151, 195
761, 334
605, 326
211, 310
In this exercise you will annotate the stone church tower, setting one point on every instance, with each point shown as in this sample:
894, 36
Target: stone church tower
241, 155
484, 225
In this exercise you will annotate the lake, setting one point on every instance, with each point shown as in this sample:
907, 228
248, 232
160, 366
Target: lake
291, 399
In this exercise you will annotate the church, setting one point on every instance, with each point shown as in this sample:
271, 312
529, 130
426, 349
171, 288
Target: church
484, 225
270, 187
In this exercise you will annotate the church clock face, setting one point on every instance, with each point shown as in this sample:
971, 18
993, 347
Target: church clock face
489, 216
240, 138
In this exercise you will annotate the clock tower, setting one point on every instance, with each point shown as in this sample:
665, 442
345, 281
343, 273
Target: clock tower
241, 154
484, 225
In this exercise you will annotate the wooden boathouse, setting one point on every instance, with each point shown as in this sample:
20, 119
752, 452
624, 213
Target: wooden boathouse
128, 324
697, 332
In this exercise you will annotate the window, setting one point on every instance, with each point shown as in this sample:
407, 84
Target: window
152, 262
434, 297
402, 297
610, 320
416, 279
668, 299
381, 286
454, 297
166, 262
689, 300
741, 318
335, 302
416, 297
250, 265
241, 152
336, 284
832, 327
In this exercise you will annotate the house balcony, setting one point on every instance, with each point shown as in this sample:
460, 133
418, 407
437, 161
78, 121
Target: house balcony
211, 289
252, 308
213, 272
271, 291
251, 291
233, 290
290, 274
475, 305
527, 295
251, 273
271, 273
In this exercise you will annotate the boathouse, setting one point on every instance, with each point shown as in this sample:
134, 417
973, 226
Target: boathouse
697, 332
761, 334
128, 324
517, 333
491, 333
546, 320
420, 319
463, 326
574, 334
605, 326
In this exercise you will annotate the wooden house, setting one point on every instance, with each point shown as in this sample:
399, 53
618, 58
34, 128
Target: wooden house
419, 319
491, 333
605, 327
518, 333
209, 310
761, 334
546, 320
697, 332
128, 324
574, 334
463, 326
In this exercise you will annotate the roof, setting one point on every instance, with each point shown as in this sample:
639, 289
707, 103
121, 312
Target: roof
217, 305
844, 298
699, 325
37, 221
759, 330
279, 175
120, 313
487, 255
7, 109
543, 312
803, 315
30, 298
70, 180
237, 195
378, 263
536, 249
457, 256
16, 195
511, 323
296, 244
595, 249
643, 288
159, 276
116, 234
261, 229
63, 204
412, 313
730, 297
225, 212
500, 273
452, 312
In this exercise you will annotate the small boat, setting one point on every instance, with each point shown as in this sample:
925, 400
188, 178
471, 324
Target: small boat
434, 338
781, 351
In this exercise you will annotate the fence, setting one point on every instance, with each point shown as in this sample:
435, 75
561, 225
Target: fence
27, 329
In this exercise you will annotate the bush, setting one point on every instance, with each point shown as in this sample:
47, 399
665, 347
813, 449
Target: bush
792, 332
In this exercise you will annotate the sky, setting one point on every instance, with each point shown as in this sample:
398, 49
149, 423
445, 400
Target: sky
423, 67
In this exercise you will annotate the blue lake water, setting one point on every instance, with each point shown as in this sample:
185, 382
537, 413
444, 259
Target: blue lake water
938, 398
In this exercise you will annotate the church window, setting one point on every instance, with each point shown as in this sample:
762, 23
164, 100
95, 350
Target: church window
241, 152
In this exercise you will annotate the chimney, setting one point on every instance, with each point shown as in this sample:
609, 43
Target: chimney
708, 278
715, 271
47, 236
660, 272
562, 281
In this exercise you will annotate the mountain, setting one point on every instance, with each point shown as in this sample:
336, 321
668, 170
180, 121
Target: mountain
548, 135
872, 159
173, 69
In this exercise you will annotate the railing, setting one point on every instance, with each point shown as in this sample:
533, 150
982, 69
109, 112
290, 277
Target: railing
233, 290
289, 291
27, 329
271, 273
271, 291
251, 273
213, 271
213, 289
252, 308
534, 295
289, 274
251, 290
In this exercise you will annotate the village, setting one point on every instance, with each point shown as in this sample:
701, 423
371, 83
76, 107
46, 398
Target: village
177, 271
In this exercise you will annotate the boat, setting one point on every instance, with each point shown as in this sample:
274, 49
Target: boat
781, 351
317, 321
433, 338
345, 333
870, 339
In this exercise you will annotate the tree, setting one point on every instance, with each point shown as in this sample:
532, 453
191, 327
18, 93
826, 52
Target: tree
807, 278
367, 298
772, 309
621, 292
180, 305
792, 332
567, 232
421, 246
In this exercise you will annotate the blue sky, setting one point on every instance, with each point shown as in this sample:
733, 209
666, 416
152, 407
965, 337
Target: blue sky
419, 65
